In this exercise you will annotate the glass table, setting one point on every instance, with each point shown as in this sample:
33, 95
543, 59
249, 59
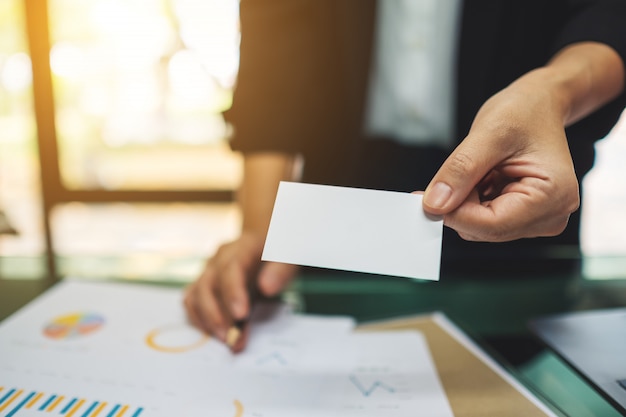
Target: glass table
493, 311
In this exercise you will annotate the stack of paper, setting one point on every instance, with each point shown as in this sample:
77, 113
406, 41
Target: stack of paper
110, 350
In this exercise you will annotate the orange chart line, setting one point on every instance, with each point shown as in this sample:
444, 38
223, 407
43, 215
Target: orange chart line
238, 409
153, 344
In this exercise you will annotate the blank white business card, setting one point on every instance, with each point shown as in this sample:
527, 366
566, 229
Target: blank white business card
353, 229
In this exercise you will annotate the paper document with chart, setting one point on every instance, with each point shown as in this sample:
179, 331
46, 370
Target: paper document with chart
353, 229
119, 350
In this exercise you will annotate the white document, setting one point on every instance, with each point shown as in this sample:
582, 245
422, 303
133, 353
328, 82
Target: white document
119, 350
379, 232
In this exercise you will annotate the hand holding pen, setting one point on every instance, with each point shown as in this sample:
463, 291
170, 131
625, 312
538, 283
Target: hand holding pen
219, 302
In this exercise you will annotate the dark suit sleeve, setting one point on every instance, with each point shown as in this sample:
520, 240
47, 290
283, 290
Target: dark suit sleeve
601, 21
281, 90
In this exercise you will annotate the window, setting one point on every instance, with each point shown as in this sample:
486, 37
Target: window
20, 201
139, 88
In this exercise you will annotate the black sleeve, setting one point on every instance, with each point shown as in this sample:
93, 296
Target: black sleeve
601, 21
282, 85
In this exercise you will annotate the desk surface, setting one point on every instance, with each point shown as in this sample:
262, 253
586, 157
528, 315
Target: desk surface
493, 312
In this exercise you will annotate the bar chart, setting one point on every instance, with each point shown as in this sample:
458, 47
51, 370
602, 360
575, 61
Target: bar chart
17, 402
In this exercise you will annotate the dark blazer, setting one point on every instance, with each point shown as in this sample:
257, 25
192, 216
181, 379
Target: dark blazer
304, 68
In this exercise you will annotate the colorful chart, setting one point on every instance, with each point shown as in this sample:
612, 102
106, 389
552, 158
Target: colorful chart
73, 325
14, 400
176, 338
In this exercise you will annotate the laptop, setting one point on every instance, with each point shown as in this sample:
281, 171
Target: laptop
594, 344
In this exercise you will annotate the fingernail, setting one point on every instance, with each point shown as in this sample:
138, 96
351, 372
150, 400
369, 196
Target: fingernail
232, 336
438, 195
237, 309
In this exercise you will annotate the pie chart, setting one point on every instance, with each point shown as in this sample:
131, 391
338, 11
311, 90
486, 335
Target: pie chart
71, 326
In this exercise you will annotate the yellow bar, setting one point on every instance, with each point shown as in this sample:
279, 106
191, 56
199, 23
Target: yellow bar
55, 403
34, 400
75, 408
6, 404
238, 409
97, 411
122, 411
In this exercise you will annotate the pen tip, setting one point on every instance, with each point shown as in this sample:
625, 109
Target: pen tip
232, 336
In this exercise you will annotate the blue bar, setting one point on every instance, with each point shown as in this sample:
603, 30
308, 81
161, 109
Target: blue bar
90, 409
112, 413
68, 406
22, 404
47, 403
7, 395
139, 410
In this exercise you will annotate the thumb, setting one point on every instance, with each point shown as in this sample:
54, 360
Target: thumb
274, 277
456, 178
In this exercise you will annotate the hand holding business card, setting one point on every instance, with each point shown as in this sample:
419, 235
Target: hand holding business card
353, 229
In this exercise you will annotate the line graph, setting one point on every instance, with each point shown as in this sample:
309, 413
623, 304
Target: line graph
372, 388
274, 357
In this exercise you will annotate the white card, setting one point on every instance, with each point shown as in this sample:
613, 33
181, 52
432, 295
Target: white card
353, 229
